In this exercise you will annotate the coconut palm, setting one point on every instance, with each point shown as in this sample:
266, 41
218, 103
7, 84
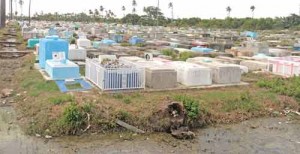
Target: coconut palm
101, 10
123, 9
228, 9
133, 10
29, 12
134, 4
21, 3
252, 8
172, 9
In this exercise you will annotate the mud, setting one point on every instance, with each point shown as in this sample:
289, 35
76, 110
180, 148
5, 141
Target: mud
271, 135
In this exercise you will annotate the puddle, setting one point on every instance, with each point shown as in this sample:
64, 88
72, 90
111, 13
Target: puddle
255, 136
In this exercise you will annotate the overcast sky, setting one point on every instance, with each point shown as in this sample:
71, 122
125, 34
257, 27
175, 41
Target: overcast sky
182, 8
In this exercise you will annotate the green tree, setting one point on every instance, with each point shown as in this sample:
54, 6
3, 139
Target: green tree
123, 9
228, 9
252, 8
172, 9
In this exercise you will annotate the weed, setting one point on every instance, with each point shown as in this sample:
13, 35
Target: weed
244, 103
87, 107
140, 45
185, 55
118, 96
127, 100
289, 87
169, 52
123, 115
191, 105
61, 99
72, 119
74, 86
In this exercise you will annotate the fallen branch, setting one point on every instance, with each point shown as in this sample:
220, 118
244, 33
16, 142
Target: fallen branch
298, 113
88, 127
129, 127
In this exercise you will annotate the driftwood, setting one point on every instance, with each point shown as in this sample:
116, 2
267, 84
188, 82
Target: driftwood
129, 127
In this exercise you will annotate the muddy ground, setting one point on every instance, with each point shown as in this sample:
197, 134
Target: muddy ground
269, 135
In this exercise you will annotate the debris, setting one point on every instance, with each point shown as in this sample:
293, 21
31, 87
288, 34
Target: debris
129, 127
6, 93
37, 135
183, 133
48, 137
88, 127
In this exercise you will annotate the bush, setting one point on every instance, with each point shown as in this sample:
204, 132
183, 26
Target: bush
169, 52
72, 119
185, 55
191, 106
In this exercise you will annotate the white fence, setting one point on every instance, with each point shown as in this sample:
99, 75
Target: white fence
109, 79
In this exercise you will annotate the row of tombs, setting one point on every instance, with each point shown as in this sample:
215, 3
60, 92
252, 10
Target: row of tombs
129, 72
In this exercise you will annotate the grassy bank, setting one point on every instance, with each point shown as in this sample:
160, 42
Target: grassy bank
44, 110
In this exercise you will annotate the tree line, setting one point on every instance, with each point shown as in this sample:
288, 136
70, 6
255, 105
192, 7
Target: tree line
153, 16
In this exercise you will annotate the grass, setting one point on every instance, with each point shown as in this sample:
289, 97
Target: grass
289, 87
245, 103
74, 86
61, 99
45, 108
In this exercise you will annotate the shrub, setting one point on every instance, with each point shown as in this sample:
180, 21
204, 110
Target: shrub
169, 52
185, 55
72, 119
191, 106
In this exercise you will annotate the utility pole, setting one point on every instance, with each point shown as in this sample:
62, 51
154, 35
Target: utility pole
2, 13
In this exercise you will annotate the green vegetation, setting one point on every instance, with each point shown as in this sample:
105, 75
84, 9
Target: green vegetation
61, 99
153, 13
140, 45
74, 86
191, 105
125, 44
186, 55
127, 100
289, 87
169, 52
73, 119
245, 103
46, 111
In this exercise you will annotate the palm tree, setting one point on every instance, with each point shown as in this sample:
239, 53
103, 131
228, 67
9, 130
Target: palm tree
133, 10
123, 9
101, 10
172, 9
252, 8
134, 4
228, 9
21, 3
29, 12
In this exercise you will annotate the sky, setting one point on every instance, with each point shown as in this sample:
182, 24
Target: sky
204, 9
